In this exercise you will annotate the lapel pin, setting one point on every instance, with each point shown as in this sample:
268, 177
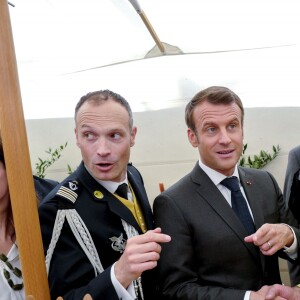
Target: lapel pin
98, 194
248, 182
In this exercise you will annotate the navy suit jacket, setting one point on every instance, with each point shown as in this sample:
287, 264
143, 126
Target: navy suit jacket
71, 274
207, 257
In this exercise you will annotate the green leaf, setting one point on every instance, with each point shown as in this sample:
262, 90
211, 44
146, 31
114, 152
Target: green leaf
259, 160
42, 165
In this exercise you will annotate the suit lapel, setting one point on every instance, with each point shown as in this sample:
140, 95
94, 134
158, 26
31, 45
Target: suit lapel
211, 194
254, 200
253, 197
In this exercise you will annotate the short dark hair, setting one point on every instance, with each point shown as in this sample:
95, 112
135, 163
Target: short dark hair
214, 95
98, 97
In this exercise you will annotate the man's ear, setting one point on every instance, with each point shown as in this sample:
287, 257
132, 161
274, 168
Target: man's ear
192, 137
132, 136
76, 135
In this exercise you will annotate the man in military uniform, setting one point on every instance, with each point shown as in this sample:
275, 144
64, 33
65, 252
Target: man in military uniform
99, 241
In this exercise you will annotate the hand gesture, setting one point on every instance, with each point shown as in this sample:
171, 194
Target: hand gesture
141, 253
271, 237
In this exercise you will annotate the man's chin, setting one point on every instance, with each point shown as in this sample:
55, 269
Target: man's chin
226, 169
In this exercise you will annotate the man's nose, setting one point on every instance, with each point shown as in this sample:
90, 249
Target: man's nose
224, 137
103, 147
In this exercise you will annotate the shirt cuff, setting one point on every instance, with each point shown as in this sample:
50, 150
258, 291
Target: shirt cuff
122, 293
247, 295
292, 250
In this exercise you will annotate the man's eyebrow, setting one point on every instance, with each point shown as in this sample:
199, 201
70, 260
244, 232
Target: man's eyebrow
86, 126
208, 123
235, 119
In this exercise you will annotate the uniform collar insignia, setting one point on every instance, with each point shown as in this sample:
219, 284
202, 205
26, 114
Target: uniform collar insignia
73, 185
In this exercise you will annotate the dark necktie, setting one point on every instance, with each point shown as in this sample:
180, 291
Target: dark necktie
122, 190
239, 204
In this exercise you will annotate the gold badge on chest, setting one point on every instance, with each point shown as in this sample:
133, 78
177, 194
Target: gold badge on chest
98, 194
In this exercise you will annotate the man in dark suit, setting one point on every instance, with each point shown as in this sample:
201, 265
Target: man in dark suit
99, 240
293, 166
291, 193
214, 252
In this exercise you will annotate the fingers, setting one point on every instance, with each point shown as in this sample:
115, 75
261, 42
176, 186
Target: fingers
146, 247
271, 237
141, 253
268, 249
274, 292
151, 236
279, 292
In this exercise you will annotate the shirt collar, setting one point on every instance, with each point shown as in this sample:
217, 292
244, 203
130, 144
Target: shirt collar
215, 176
111, 186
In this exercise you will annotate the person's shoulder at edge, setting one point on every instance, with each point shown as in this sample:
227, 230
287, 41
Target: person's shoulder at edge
295, 150
43, 186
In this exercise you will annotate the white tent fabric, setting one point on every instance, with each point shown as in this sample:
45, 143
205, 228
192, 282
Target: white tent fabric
66, 48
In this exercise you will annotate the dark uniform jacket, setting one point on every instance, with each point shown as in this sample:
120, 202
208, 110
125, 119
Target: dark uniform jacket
71, 274
208, 257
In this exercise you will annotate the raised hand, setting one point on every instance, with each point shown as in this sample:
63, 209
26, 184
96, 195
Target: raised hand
141, 253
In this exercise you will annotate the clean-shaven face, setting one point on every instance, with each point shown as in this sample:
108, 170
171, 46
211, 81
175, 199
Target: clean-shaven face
218, 136
104, 138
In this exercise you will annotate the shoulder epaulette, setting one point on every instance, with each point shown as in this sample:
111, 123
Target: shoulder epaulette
69, 191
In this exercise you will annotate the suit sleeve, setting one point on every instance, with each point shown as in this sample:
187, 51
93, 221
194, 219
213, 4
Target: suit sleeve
285, 213
292, 167
284, 216
177, 274
71, 275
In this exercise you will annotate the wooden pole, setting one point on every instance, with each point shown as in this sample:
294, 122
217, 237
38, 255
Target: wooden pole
152, 32
18, 166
